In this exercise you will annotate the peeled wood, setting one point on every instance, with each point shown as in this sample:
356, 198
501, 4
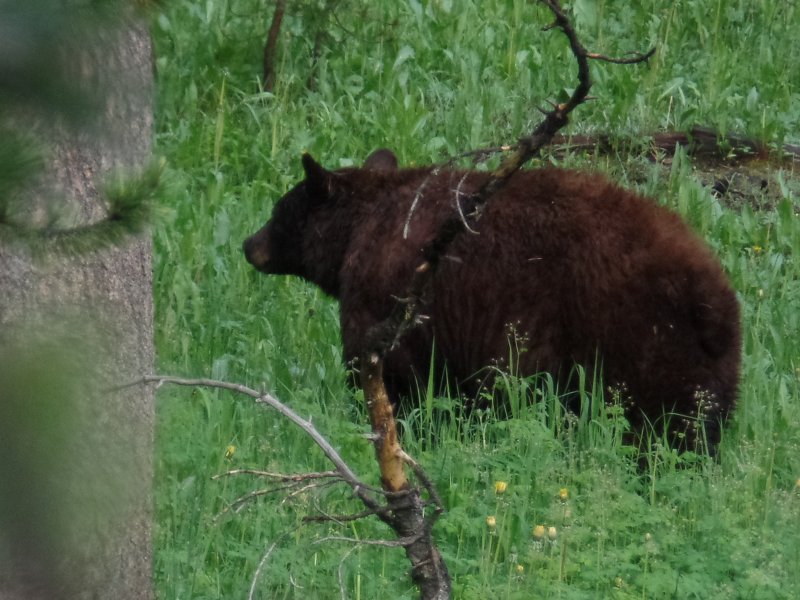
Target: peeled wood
384, 427
406, 514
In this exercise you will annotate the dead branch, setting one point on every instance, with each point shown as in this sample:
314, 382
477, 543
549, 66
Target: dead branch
636, 58
294, 489
429, 571
240, 502
264, 558
339, 519
272, 44
342, 591
342, 469
404, 508
385, 335
280, 476
301, 478
702, 142
399, 543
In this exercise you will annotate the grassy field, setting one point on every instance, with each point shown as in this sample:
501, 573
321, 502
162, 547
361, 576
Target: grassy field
430, 79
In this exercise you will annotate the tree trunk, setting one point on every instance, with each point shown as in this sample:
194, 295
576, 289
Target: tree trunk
270, 48
75, 491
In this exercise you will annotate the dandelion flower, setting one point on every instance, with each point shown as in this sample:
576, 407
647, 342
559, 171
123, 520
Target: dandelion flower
563, 494
538, 532
757, 249
500, 487
491, 522
230, 451
552, 533
520, 569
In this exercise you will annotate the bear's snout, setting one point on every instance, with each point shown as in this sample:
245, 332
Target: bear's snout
256, 253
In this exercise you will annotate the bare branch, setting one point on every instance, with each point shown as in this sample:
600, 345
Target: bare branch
281, 476
398, 543
429, 570
347, 554
420, 473
344, 471
272, 44
340, 519
239, 503
309, 486
295, 487
636, 58
386, 335
458, 194
264, 558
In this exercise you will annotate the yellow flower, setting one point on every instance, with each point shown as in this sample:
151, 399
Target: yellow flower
538, 532
491, 522
230, 451
757, 249
520, 569
648, 536
618, 583
552, 533
563, 494
500, 487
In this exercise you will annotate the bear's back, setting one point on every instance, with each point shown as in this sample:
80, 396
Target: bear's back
580, 269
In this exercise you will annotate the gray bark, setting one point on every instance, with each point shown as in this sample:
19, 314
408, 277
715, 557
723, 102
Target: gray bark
75, 478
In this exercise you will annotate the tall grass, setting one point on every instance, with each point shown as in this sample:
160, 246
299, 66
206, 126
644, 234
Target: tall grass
430, 79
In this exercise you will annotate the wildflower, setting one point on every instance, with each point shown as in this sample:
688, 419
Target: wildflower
618, 583
647, 537
563, 494
760, 292
500, 487
491, 522
552, 533
757, 249
520, 569
230, 451
797, 484
538, 532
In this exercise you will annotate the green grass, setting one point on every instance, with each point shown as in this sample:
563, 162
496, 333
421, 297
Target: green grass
431, 79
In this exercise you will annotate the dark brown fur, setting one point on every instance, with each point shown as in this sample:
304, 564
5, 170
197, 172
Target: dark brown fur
580, 267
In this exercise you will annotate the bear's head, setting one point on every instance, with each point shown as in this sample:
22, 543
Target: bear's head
310, 226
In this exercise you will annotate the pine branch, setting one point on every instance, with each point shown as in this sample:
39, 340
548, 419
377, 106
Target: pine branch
130, 200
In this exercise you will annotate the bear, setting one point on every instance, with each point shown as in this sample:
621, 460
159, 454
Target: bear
585, 273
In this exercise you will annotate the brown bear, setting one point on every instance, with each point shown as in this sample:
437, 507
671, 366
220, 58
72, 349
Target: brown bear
584, 271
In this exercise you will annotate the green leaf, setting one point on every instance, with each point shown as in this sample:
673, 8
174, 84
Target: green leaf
405, 53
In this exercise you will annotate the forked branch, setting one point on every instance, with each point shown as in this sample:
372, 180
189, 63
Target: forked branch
386, 334
403, 509
429, 570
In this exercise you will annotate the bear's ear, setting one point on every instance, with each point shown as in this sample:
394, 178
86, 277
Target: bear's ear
381, 160
318, 179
